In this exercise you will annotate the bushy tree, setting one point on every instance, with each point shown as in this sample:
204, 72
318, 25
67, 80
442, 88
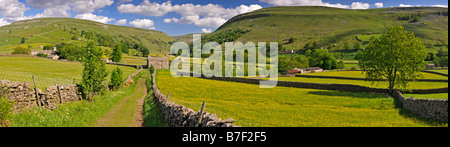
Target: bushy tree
145, 52
94, 72
48, 47
22, 41
324, 59
397, 56
116, 79
116, 55
21, 50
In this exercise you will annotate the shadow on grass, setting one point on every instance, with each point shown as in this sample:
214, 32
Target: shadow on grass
409, 115
360, 95
152, 115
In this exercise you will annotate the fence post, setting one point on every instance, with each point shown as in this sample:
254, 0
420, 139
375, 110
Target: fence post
59, 91
168, 96
36, 92
201, 115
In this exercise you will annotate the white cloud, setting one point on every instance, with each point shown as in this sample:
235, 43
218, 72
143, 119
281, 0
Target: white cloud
403, 5
12, 10
443, 6
360, 5
93, 17
3, 22
379, 5
143, 23
79, 6
121, 22
168, 20
210, 22
200, 15
204, 30
303, 3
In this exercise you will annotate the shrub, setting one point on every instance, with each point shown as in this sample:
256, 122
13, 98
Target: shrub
152, 69
48, 47
21, 50
116, 79
5, 107
41, 55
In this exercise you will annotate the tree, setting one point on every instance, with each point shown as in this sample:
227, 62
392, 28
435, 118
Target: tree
21, 50
324, 59
397, 56
116, 79
145, 52
22, 41
94, 72
48, 47
116, 55
430, 57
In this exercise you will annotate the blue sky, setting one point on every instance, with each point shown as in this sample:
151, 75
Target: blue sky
175, 17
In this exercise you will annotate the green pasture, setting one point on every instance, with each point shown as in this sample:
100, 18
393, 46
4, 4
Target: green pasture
46, 71
252, 106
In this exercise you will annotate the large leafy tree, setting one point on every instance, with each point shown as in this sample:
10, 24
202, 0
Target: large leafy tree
397, 56
94, 72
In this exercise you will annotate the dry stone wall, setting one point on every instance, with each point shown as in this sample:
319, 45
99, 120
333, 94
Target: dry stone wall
177, 115
325, 86
23, 95
428, 108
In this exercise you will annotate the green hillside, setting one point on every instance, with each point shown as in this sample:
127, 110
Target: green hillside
333, 26
69, 30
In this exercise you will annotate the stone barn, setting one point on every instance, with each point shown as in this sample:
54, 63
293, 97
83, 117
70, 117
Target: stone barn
158, 62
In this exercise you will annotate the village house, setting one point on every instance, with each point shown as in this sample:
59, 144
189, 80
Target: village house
51, 54
303, 71
431, 67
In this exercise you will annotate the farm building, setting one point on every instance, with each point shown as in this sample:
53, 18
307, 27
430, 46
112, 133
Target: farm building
158, 62
50, 53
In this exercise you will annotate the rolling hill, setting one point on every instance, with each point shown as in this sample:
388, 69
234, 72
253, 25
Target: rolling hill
69, 30
333, 26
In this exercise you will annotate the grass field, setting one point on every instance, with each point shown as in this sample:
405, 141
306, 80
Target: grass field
287, 107
46, 71
359, 74
428, 96
383, 84
441, 71
133, 60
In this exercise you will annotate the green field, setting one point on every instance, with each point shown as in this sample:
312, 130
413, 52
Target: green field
383, 84
441, 71
428, 96
46, 71
133, 60
252, 106
359, 74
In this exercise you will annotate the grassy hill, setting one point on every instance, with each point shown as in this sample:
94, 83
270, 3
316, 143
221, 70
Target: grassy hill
330, 26
58, 30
